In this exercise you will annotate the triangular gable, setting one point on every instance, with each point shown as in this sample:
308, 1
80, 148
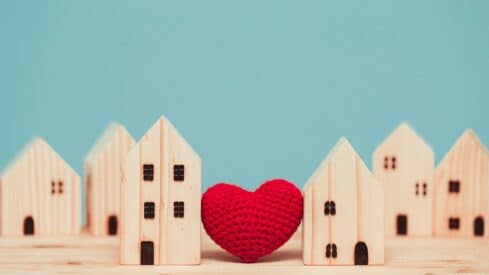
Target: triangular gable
469, 134
26, 150
105, 139
404, 129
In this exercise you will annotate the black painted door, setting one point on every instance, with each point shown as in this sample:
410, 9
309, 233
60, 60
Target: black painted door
112, 225
28, 226
147, 253
361, 254
479, 226
401, 224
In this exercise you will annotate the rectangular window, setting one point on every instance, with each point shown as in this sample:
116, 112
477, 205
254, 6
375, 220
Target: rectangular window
454, 186
178, 209
453, 223
149, 210
148, 172
178, 172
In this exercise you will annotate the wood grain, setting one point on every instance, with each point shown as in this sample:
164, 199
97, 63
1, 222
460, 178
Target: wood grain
404, 180
86, 254
103, 177
343, 179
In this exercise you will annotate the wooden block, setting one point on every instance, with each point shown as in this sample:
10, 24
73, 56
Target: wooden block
343, 212
165, 172
40, 194
404, 164
462, 189
103, 180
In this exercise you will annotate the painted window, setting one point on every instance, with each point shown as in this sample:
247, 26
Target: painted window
329, 208
416, 191
178, 209
454, 223
331, 251
149, 210
148, 172
425, 189
390, 163
454, 186
179, 172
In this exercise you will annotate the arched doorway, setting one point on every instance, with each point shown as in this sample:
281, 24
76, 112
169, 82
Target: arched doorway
401, 224
112, 225
361, 254
479, 226
28, 226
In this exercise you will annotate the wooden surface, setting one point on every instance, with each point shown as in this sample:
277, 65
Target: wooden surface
176, 240
103, 177
404, 164
41, 185
96, 255
345, 180
466, 162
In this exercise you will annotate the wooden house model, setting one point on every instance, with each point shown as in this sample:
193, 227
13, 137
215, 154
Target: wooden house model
160, 202
103, 180
40, 194
404, 164
462, 189
343, 221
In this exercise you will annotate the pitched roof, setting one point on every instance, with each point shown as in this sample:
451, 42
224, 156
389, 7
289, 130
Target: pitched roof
342, 142
30, 145
103, 140
467, 134
403, 128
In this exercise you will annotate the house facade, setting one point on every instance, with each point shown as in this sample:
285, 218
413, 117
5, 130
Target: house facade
462, 189
343, 221
103, 180
404, 165
160, 200
40, 194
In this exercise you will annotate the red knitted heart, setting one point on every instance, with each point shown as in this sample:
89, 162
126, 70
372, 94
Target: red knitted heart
251, 225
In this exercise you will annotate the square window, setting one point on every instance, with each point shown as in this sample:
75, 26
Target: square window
149, 210
454, 186
178, 209
179, 172
453, 223
148, 172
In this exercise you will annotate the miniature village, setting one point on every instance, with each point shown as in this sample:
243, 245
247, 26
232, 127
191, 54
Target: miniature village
147, 194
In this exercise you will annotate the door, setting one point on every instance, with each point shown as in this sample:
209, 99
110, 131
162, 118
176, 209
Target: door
479, 226
401, 224
147, 253
112, 225
28, 226
361, 254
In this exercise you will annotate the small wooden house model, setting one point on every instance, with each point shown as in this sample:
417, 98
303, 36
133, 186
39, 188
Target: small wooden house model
160, 202
405, 164
343, 221
39, 194
462, 189
103, 166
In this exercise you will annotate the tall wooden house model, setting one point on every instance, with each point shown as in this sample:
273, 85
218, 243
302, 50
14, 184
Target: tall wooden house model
160, 202
103, 178
343, 221
39, 194
462, 189
404, 164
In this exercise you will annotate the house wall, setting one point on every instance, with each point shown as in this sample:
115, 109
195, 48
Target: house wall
358, 198
414, 165
103, 174
27, 191
467, 162
176, 240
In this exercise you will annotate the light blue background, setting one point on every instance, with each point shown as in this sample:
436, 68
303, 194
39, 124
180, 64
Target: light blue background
261, 89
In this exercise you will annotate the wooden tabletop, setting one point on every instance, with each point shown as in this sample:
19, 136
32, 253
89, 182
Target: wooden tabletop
86, 254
